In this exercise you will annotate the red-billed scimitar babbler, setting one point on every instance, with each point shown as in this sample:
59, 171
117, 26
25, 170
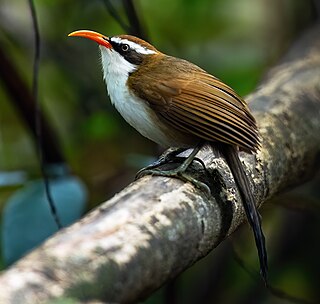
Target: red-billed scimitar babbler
177, 104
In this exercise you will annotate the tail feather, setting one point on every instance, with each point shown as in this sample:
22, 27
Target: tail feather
248, 202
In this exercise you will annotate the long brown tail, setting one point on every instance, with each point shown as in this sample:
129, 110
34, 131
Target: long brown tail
248, 201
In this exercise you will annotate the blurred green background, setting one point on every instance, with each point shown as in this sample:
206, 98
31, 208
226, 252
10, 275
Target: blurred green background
234, 40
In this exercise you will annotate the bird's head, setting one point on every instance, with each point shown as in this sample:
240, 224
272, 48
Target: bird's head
121, 54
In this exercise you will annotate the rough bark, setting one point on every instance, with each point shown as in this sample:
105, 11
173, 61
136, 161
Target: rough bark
157, 227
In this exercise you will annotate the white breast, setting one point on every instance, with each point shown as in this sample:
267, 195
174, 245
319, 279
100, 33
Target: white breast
116, 71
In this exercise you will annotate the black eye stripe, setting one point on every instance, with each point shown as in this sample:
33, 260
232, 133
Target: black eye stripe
128, 53
119, 47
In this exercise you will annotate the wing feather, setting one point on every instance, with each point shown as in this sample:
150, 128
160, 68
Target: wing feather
218, 121
211, 128
192, 101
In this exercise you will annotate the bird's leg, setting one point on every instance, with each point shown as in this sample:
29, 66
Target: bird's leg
180, 171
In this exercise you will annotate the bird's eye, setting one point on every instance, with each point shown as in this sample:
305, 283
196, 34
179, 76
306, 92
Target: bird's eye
125, 47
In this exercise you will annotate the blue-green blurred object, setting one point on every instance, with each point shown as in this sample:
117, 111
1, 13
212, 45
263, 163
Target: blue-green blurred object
12, 178
27, 219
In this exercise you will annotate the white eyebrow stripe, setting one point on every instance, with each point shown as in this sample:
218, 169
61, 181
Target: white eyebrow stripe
138, 48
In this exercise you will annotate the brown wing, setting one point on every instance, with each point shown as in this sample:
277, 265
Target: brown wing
195, 102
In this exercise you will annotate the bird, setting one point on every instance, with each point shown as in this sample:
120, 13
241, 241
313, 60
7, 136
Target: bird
175, 103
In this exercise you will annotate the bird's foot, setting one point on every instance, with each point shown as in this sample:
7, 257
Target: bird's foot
180, 171
169, 156
176, 173
173, 159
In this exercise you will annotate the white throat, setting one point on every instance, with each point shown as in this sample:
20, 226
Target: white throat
116, 71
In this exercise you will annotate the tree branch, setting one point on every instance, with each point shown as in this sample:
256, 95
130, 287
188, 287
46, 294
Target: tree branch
157, 227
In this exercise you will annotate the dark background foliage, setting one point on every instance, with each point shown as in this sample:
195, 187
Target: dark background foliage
234, 40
